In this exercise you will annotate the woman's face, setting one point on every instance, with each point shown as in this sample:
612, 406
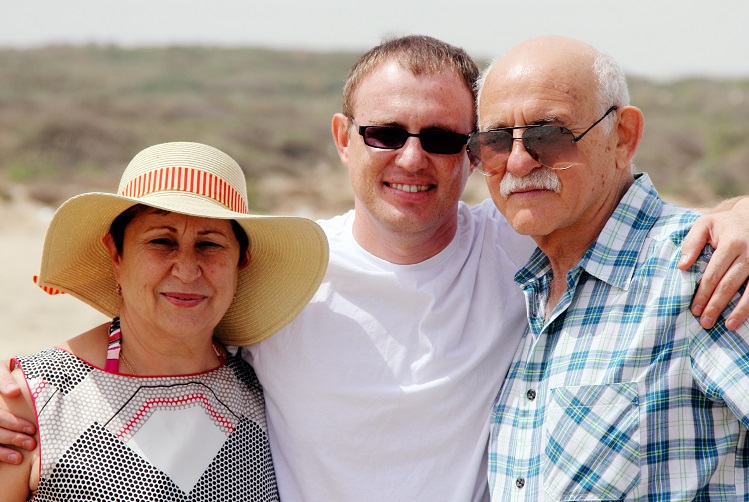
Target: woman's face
178, 273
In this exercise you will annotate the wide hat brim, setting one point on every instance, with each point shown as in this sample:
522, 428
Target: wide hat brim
288, 258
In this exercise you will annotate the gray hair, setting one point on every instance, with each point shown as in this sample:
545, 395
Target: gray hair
479, 86
612, 91
612, 87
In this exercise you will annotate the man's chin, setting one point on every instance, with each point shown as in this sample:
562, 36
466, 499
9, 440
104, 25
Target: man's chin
529, 222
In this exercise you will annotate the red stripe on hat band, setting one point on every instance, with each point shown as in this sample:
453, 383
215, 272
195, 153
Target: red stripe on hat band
186, 179
47, 289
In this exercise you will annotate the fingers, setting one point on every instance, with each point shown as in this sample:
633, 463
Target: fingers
694, 243
10, 435
740, 313
715, 271
9, 456
10, 424
723, 277
9, 388
728, 233
14, 432
8, 385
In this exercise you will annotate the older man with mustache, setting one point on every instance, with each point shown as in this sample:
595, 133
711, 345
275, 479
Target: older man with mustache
616, 390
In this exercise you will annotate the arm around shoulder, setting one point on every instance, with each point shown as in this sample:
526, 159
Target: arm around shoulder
14, 430
727, 205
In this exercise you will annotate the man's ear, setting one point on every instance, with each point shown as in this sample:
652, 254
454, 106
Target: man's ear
340, 129
630, 126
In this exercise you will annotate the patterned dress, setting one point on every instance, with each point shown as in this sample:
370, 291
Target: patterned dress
110, 437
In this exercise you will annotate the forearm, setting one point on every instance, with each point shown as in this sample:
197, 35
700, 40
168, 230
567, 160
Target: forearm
14, 480
726, 205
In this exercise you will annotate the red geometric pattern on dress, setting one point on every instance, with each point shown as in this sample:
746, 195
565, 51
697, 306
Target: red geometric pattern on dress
150, 403
38, 389
186, 179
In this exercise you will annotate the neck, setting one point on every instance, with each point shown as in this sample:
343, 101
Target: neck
566, 246
145, 354
402, 246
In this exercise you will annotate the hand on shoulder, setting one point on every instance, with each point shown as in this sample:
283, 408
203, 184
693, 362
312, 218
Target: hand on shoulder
19, 453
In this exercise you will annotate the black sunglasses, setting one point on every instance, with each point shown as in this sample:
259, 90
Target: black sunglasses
435, 140
551, 146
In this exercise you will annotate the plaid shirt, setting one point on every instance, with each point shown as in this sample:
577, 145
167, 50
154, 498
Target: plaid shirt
620, 393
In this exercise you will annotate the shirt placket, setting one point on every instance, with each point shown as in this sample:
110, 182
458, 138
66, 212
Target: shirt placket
531, 405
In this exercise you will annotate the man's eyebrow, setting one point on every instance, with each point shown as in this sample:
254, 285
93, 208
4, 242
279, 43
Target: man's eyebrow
428, 127
545, 120
550, 118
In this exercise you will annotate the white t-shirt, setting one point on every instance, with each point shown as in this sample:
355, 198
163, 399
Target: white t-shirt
381, 389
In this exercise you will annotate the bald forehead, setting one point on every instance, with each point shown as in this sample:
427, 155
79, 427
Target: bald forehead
552, 62
554, 48
544, 80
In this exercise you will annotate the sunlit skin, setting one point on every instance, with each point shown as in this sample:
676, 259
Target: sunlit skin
178, 275
392, 221
541, 83
523, 90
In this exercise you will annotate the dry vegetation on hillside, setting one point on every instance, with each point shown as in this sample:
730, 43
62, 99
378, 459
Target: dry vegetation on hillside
71, 118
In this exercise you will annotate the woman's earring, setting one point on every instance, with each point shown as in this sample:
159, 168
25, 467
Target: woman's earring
119, 289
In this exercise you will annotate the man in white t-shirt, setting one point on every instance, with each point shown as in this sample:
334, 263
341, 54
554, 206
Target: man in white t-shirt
381, 389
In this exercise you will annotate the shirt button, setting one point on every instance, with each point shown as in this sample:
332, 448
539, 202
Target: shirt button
531, 395
520, 482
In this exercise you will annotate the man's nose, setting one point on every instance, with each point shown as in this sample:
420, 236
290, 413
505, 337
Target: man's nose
520, 162
411, 156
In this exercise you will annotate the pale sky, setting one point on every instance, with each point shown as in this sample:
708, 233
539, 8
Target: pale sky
661, 39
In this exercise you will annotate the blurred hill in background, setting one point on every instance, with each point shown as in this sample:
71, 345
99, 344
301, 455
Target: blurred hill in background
72, 117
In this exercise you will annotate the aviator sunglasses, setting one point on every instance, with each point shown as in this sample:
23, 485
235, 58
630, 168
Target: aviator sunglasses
552, 146
433, 140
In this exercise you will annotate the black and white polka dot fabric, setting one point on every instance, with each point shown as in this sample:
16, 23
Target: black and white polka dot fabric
112, 437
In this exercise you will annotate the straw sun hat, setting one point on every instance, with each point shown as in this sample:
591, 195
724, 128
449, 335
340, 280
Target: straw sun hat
288, 254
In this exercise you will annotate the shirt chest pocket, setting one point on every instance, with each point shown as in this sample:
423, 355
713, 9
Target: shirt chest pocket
592, 442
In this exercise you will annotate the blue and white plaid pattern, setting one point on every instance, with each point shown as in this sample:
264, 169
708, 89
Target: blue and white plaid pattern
620, 394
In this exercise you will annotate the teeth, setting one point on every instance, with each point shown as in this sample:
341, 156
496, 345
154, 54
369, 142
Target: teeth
410, 188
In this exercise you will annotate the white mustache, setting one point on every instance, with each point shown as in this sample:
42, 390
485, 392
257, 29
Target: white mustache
537, 179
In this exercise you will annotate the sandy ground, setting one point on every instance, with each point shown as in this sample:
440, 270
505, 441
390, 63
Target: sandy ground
30, 319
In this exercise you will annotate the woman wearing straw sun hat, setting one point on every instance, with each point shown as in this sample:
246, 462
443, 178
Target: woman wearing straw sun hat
150, 406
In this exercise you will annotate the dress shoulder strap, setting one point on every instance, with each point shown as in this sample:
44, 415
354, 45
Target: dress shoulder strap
115, 344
